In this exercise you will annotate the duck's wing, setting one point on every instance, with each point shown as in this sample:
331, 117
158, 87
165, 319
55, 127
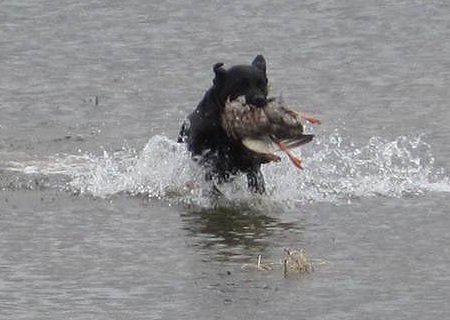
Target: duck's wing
262, 144
298, 141
265, 146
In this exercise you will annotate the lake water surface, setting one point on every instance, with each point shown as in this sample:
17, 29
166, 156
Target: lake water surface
103, 216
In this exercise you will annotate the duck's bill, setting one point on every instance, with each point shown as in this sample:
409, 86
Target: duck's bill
266, 146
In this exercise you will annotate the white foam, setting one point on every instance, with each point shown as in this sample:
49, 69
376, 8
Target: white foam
334, 171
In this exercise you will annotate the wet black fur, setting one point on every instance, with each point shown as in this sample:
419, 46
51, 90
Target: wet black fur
208, 143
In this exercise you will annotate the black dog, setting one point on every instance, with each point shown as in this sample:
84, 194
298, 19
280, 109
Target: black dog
207, 141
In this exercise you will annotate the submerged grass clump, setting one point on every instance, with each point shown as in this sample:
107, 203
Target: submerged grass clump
292, 262
296, 261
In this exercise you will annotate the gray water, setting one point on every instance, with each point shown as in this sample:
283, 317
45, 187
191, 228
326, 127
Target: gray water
103, 216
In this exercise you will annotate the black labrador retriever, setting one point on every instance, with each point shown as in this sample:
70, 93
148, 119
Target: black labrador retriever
221, 155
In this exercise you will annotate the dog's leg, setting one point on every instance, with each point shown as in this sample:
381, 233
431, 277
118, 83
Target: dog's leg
214, 192
217, 179
255, 181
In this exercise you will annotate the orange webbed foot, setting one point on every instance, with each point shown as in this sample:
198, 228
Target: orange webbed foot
304, 116
309, 118
295, 161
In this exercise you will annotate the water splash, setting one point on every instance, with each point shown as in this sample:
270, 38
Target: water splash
335, 171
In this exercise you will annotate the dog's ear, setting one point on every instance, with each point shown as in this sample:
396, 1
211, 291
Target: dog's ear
260, 63
219, 72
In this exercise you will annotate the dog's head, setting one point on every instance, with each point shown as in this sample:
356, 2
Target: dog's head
242, 80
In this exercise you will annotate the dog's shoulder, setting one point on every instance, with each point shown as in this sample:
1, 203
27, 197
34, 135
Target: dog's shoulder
207, 111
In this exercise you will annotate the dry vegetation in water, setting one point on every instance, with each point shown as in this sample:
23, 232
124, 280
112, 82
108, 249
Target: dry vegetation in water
292, 262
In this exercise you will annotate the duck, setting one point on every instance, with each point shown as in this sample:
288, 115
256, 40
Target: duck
267, 129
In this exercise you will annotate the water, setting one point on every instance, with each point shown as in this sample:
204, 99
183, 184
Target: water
103, 216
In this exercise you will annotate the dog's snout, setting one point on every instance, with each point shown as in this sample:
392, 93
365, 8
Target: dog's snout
257, 100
